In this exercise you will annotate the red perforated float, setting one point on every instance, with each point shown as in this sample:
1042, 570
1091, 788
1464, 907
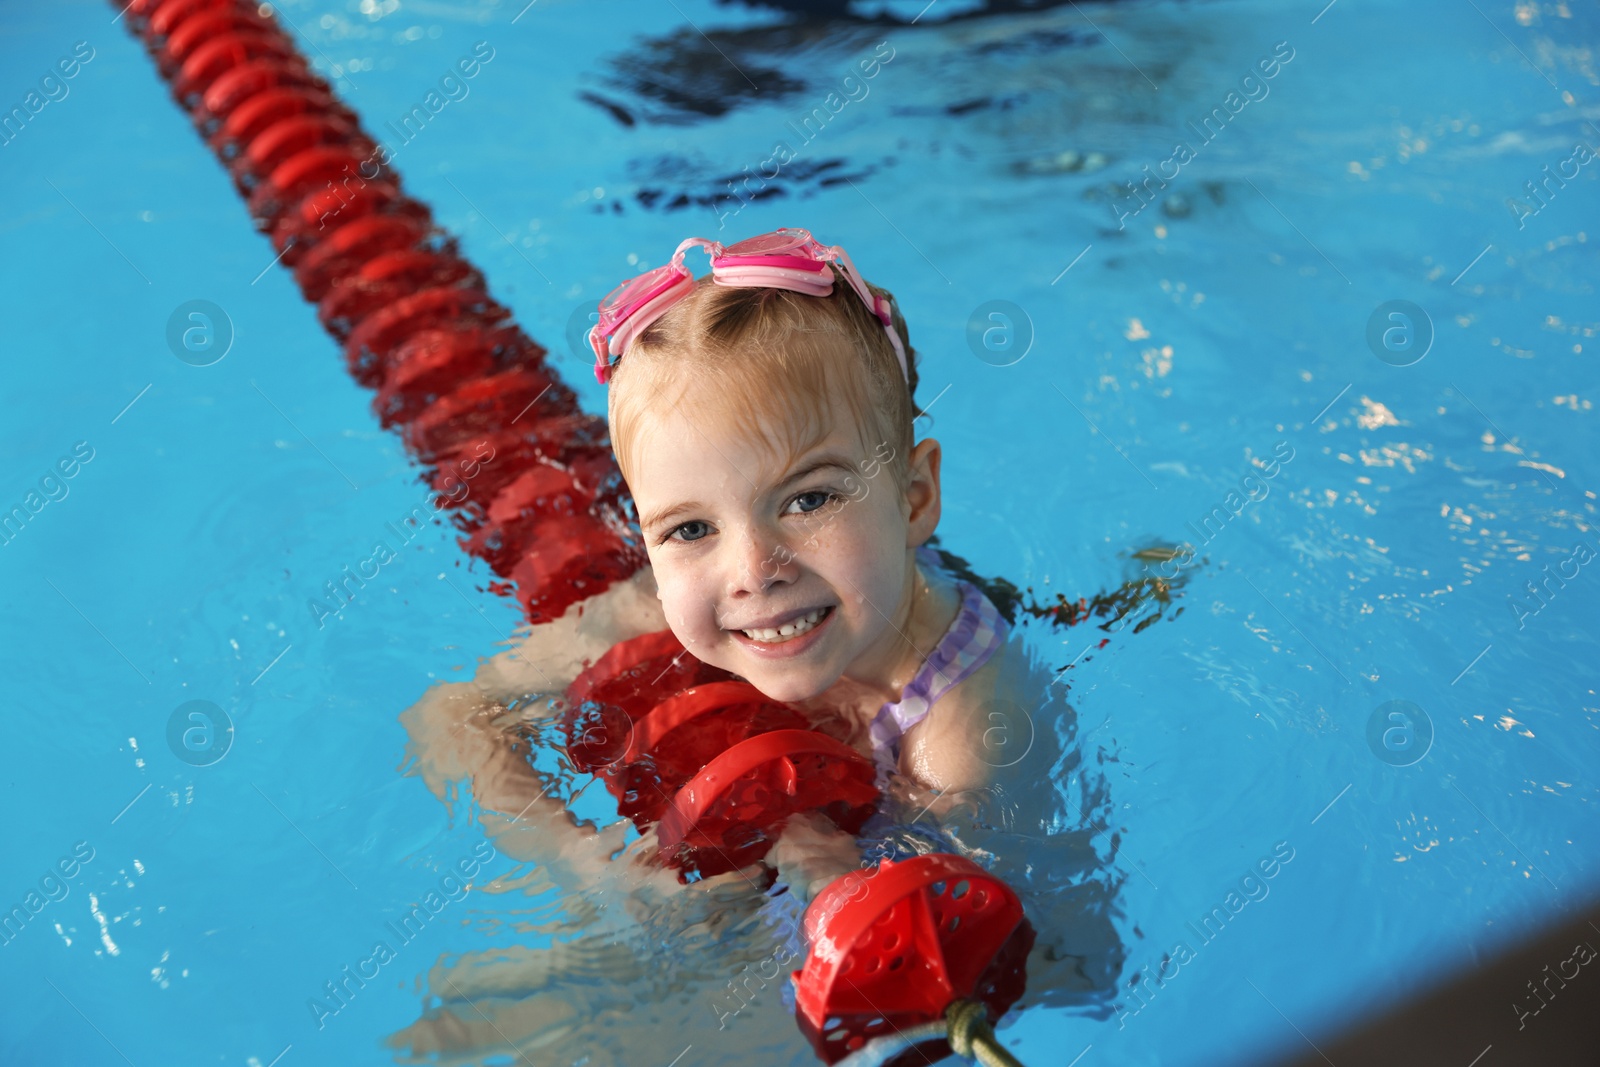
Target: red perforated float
221, 54
341, 165
428, 365
166, 15
190, 33
385, 278
372, 343
729, 814
242, 83
621, 687
271, 106
683, 733
288, 137
719, 765
321, 211
893, 949
343, 252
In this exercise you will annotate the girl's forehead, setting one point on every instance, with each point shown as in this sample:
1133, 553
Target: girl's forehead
698, 442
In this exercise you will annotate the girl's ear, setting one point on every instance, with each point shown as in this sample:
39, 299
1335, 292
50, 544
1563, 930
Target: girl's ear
923, 496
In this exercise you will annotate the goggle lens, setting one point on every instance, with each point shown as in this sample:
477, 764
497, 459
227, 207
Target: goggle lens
636, 291
777, 243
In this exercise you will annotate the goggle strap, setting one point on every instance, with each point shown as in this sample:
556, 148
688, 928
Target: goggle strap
878, 305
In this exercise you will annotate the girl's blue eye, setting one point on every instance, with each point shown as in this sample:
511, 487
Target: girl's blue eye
690, 531
812, 501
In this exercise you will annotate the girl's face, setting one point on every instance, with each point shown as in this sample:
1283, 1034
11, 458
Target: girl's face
790, 574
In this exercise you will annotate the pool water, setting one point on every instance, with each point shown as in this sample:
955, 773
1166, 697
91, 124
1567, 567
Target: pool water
1256, 845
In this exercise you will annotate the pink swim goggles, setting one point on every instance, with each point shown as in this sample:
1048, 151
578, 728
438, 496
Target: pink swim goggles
784, 259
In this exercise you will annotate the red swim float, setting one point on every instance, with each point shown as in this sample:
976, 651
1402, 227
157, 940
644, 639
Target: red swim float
374, 341
165, 16
717, 764
243, 82
273, 105
343, 252
189, 33
620, 688
729, 814
385, 278
221, 54
288, 137
342, 165
318, 213
684, 733
894, 948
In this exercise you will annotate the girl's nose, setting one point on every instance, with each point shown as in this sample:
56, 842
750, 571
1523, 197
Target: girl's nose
761, 562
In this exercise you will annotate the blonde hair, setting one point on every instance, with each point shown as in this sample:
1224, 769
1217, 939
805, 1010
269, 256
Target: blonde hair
773, 362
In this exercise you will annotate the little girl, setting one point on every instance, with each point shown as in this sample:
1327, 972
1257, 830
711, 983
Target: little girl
763, 418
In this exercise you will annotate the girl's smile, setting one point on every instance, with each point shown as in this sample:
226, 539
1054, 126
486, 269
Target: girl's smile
791, 634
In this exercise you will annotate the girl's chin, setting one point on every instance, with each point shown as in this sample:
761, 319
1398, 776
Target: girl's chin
791, 685
786, 686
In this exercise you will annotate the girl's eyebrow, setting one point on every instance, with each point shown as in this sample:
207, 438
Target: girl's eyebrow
657, 518
823, 462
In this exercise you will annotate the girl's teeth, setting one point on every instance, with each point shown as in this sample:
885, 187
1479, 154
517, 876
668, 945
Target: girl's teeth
788, 630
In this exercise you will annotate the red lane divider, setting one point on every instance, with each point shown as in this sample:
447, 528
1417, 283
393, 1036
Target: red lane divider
709, 761
450, 367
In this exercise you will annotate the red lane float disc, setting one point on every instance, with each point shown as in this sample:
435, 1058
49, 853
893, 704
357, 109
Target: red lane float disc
615, 677
483, 406
165, 15
371, 344
604, 701
234, 87
573, 558
220, 54
616, 690
320, 213
387, 277
620, 688
270, 106
559, 438
698, 723
344, 250
893, 949
354, 299
418, 268
429, 365
682, 734
188, 34
515, 518
341, 166
728, 815
288, 137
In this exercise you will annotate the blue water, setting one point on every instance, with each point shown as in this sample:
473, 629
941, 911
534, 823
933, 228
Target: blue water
1228, 319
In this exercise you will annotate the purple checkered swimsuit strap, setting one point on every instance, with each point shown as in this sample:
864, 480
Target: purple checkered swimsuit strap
979, 629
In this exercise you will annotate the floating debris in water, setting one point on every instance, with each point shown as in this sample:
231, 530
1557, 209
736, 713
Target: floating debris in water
1068, 162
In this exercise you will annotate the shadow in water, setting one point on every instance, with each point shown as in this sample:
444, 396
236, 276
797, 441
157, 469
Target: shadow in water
814, 62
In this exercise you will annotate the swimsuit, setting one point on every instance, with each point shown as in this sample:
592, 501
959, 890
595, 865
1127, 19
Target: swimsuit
979, 629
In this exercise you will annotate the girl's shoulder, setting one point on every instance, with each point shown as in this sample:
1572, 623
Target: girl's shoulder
975, 726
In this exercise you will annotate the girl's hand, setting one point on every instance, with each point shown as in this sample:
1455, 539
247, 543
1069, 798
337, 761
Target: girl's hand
811, 853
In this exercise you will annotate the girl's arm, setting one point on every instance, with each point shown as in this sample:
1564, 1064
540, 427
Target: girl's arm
464, 731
